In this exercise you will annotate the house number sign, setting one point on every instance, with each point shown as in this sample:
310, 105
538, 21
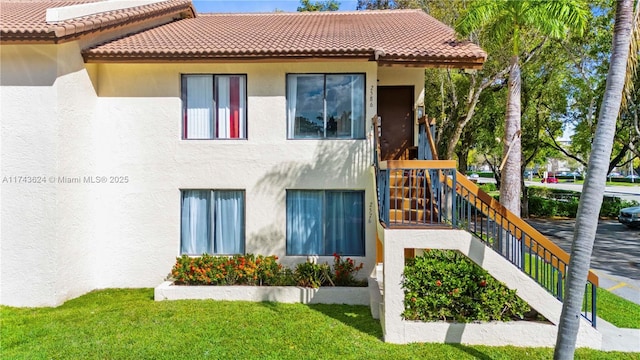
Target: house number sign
371, 97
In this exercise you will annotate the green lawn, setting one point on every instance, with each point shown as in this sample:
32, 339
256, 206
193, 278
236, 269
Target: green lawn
618, 311
128, 324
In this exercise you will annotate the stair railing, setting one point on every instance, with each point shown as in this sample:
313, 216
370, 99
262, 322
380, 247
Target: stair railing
517, 241
414, 193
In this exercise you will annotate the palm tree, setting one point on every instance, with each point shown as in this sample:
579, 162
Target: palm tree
594, 184
506, 21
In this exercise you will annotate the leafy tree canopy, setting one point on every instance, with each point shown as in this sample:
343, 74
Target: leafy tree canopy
329, 5
389, 4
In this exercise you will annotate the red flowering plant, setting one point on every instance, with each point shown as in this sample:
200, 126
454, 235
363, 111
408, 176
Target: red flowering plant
226, 270
345, 271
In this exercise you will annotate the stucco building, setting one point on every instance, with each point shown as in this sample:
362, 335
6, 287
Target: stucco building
133, 132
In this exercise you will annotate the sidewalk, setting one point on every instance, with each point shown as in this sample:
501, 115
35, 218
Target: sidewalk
618, 339
622, 286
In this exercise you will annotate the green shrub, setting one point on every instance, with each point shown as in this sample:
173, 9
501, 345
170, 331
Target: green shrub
544, 207
611, 206
622, 180
342, 273
488, 187
445, 285
539, 206
309, 274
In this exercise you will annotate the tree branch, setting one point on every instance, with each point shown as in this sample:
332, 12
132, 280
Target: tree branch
454, 95
528, 56
557, 146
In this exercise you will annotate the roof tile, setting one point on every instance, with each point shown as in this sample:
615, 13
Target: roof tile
395, 35
26, 20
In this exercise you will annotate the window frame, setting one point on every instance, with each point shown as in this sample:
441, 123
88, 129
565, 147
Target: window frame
243, 242
324, 222
183, 97
324, 75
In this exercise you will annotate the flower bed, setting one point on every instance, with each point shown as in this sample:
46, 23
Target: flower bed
261, 278
263, 271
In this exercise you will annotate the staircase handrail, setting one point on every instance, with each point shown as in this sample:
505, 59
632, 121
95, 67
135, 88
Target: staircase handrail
520, 226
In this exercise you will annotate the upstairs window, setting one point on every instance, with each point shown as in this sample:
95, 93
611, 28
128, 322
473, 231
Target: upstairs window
325, 106
214, 106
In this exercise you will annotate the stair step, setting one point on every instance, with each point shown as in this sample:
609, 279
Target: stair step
398, 179
407, 192
408, 203
417, 216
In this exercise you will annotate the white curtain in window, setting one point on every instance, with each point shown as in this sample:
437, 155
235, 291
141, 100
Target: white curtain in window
195, 222
222, 106
344, 227
199, 107
228, 220
304, 222
230, 114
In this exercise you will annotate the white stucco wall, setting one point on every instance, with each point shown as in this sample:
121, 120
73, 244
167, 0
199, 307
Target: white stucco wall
397, 330
63, 118
46, 99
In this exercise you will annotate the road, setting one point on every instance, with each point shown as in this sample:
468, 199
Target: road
623, 192
616, 253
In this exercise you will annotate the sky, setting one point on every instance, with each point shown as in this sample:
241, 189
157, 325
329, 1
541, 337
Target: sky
231, 6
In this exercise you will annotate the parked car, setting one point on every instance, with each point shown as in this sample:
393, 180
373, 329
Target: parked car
474, 177
633, 176
550, 180
630, 216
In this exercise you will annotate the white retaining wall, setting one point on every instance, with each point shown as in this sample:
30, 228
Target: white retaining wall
522, 333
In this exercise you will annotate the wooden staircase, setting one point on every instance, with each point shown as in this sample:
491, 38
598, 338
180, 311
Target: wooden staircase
410, 199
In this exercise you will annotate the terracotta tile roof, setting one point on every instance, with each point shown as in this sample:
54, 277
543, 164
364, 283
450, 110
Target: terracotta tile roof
397, 36
26, 20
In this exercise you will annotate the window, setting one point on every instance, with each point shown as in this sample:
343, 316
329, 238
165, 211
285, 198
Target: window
325, 106
214, 107
212, 222
325, 222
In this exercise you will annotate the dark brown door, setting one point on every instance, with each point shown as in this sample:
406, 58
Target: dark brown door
395, 108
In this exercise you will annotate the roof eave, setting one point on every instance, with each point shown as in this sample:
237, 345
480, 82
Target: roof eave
65, 32
427, 62
435, 62
151, 57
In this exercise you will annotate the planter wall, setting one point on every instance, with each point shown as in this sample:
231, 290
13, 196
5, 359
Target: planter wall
282, 294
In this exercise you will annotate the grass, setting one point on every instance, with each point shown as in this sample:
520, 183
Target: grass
128, 324
610, 307
618, 311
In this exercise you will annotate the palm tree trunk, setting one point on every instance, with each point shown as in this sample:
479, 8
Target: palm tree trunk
510, 174
594, 184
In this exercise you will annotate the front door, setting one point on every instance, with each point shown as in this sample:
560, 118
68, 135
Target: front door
395, 108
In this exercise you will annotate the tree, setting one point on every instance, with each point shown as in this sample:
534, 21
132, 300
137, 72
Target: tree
594, 184
589, 62
506, 21
388, 4
329, 5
